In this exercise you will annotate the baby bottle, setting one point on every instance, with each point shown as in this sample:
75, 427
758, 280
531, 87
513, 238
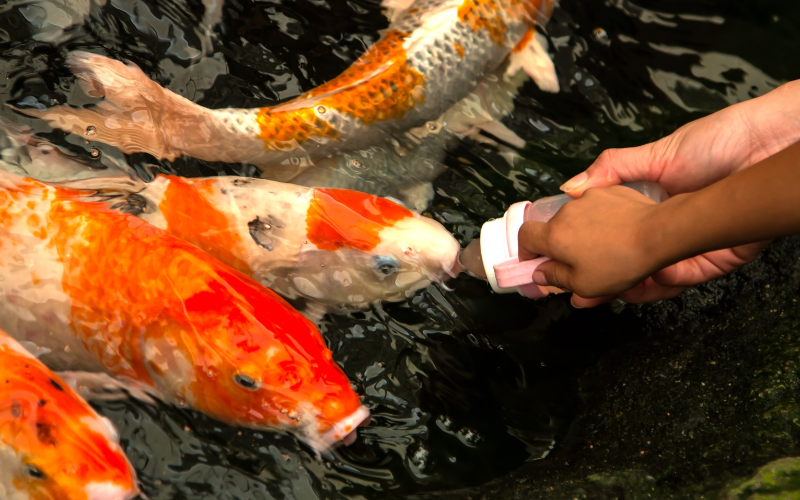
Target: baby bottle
498, 259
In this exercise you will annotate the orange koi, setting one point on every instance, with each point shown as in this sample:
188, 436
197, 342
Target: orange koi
109, 292
53, 445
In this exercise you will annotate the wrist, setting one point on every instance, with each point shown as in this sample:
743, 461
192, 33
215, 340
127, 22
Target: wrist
668, 232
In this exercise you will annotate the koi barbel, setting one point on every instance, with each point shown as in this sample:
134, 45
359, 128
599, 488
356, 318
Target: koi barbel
108, 292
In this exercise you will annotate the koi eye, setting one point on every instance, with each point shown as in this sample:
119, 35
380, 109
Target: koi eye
385, 266
246, 381
33, 471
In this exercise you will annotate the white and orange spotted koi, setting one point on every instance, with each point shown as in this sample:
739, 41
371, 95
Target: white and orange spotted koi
432, 56
108, 292
338, 249
53, 445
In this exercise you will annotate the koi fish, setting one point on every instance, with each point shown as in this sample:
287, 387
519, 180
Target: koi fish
433, 55
107, 292
337, 249
53, 445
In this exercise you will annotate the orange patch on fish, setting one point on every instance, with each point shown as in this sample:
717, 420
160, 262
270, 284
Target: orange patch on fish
40, 417
524, 42
459, 49
488, 15
379, 86
341, 218
192, 217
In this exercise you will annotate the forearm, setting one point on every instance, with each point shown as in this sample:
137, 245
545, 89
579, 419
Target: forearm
756, 204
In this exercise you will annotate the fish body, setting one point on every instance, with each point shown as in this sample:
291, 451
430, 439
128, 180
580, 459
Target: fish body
434, 54
53, 445
109, 292
339, 248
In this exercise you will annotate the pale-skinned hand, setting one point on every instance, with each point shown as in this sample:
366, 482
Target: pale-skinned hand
693, 157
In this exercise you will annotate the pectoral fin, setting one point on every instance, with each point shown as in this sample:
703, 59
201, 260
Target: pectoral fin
531, 56
94, 386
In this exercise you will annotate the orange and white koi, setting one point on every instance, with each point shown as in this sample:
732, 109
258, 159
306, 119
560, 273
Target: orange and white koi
108, 292
335, 247
53, 445
433, 55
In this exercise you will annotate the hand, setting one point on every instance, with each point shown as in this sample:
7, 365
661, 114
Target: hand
604, 245
598, 243
695, 156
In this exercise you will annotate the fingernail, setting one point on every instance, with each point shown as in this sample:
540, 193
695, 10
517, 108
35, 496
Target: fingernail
539, 278
572, 301
575, 182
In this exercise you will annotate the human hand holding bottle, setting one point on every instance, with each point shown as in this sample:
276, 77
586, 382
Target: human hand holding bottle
602, 244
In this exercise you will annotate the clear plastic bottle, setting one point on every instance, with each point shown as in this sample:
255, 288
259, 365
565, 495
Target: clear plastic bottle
499, 240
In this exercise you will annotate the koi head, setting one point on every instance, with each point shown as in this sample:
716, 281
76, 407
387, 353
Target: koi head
53, 446
362, 248
244, 356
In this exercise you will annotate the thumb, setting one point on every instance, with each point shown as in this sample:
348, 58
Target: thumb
553, 273
616, 166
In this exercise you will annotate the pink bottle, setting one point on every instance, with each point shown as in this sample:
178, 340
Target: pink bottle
499, 243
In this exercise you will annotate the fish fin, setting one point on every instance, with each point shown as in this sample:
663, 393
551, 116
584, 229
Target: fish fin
96, 386
314, 311
134, 116
505, 134
482, 110
416, 196
119, 193
34, 349
393, 8
531, 55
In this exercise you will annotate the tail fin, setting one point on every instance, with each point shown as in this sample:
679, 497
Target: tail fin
137, 115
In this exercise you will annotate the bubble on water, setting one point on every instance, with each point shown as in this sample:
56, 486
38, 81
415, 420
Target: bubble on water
469, 437
95, 152
91, 130
601, 36
355, 163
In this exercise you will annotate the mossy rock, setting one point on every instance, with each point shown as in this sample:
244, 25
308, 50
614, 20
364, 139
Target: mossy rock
778, 480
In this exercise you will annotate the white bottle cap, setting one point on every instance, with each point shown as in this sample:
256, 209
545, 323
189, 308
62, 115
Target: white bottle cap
499, 242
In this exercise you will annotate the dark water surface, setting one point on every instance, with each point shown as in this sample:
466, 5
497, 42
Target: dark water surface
464, 385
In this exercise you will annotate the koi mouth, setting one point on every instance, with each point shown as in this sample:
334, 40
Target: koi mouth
343, 430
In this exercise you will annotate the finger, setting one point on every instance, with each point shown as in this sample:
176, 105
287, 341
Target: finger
650, 291
616, 166
709, 265
532, 240
553, 273
579, 302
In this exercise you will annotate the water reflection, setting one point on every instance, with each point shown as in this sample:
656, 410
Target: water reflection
463, 385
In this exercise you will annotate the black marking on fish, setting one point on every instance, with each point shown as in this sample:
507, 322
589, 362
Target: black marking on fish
260, 232
134, 204
44, 433
56, 385
16, 409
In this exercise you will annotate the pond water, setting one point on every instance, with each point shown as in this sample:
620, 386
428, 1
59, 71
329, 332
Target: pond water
464, 385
